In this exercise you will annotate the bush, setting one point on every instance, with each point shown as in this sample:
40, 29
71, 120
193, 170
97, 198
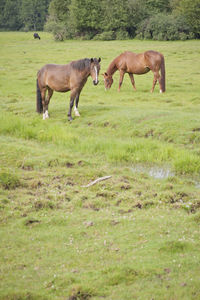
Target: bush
84, 36
122, 35
58, 29
105, 36
164, 27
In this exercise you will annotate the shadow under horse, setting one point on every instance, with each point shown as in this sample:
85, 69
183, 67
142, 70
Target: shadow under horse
133, 63
63, 78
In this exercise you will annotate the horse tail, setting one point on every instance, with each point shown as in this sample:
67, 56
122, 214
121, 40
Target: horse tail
39, 107
163, 74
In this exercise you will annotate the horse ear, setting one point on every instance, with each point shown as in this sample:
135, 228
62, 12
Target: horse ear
99, 59
91, 60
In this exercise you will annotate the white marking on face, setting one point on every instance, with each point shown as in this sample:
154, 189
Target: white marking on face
95, 68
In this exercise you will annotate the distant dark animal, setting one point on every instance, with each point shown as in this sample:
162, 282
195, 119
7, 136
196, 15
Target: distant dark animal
132, 63
36, 36
63, 78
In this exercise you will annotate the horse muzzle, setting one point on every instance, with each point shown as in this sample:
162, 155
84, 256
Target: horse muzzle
95, 82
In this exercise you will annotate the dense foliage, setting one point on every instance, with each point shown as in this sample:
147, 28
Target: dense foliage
116, 19
23, 14
104, 20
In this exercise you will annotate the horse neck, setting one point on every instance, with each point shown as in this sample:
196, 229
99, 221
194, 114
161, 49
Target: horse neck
112, 68
84, 74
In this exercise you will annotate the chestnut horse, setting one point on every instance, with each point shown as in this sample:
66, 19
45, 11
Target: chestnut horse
132, 63
63, 78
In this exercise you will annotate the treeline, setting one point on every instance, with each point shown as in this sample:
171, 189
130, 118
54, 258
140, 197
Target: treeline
123, 19
23, 14
104, 19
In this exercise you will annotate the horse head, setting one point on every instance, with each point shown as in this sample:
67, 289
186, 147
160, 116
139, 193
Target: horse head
108, 80
94, 69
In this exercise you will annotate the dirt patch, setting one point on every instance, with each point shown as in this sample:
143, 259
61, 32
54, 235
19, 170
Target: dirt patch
106, 124
91, 206
80, 294
31, 221
125, 187
149, 133
102, 195
36, 184
122, 212
69, 165
138, 205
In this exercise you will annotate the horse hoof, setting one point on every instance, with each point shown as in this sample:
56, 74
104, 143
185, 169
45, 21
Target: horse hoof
70, 119
77, 114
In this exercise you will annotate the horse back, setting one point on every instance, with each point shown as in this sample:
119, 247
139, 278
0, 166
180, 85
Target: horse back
153, 59
133, 63
56, 77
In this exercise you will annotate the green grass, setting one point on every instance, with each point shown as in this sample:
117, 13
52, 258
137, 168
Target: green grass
134, 236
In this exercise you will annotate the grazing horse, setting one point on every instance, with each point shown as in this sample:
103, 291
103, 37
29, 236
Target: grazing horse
132, 63
63, 78
36, 36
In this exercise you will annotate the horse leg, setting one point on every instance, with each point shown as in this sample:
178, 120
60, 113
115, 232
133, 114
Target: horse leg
76, 112
50, 93
72, 97
121, 79
43, 95
132, 81
156, 77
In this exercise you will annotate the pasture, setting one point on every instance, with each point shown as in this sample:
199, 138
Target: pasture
133, 236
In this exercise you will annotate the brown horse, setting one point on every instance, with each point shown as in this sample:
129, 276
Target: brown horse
132, 63
63, 78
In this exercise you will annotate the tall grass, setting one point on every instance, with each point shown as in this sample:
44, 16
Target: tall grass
114, 149
134, 236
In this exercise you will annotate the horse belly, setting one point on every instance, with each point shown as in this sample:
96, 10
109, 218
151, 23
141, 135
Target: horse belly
142, 71
136, 64
61, 89
58, 85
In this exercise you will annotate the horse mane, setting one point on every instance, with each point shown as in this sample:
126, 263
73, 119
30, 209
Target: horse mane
81, 64
112, 67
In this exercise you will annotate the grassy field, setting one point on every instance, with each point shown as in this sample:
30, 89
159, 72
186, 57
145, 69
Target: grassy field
133, 236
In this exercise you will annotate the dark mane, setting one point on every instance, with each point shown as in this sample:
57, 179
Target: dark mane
81, 64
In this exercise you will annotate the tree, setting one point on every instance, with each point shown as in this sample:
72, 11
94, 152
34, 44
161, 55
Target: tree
191, 12
115, 15
9, 14
59, 9
33, 13
85, 17
164, 27
116, 19
157, 6
137, 12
